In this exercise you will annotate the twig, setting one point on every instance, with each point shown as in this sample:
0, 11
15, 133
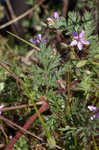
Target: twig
12, 15
4, 62
18, 107
10, 9
20, 17
19, 127
42, 109
15, 107
65, 8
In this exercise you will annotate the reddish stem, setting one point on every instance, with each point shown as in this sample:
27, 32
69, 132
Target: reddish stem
43, 108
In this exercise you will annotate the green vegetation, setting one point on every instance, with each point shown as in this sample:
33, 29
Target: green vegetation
54, 70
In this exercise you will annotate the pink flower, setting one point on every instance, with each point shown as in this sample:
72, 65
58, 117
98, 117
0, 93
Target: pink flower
56, 15
94, 109
79, 40
52, 21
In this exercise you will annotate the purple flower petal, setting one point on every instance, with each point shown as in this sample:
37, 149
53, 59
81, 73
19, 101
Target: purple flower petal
1, 108
97, 115
94, 109
50, 21
79, 40
75, 35
81, 35
38, 41
73, 43
79, 44
39, 37
32, 41
45, 41
84, 42
56, 16
92, 117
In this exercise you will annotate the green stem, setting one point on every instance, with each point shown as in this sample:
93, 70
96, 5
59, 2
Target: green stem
28, 43
67, 108
94, 142
51, 140
68, 88
75, 139
39, 115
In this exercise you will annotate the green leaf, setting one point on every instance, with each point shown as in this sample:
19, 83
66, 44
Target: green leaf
95, 63
1, 86
66, 128
96, 56
81, 63
51, 142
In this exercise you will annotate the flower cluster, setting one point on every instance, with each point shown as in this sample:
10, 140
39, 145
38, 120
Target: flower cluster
39, 40
79, 40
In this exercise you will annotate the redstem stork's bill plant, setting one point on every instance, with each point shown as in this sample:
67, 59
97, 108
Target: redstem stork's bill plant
64, 75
